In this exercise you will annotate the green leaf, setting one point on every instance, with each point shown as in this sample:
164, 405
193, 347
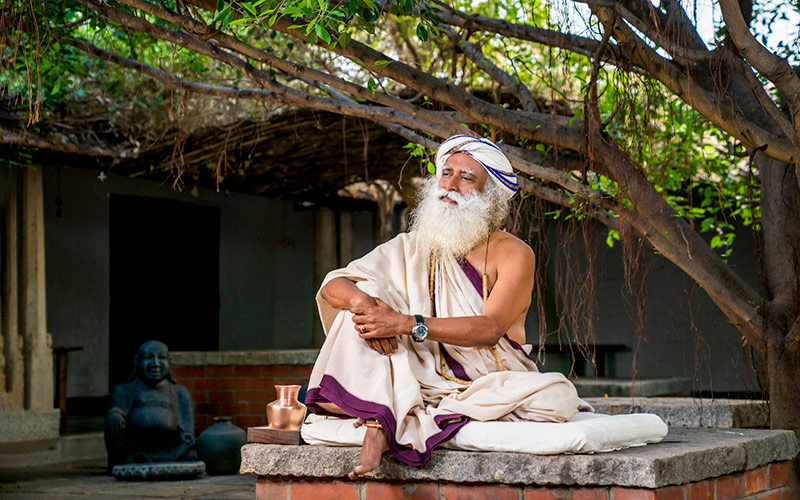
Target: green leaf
323, 33
382, 62
220, 15
431, 167
370, 4
249, 8
422, 33
372, 86
220, 5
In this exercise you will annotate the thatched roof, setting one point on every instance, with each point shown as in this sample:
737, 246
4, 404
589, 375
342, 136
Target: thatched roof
297, 154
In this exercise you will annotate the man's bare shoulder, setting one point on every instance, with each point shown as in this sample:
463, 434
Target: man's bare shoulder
511, 247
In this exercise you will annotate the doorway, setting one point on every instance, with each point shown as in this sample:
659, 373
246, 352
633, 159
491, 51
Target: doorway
164, 278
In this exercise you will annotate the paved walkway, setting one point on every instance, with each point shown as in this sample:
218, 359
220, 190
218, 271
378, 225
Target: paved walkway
88, 480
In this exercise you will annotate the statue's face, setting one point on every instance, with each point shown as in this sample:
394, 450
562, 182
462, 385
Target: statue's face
153, 362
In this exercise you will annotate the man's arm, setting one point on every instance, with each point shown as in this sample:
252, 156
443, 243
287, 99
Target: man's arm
510, 297
344, 294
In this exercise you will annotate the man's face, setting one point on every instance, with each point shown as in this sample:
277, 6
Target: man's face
462, 174
153, 360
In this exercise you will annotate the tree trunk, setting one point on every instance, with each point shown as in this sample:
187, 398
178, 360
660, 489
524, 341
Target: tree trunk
784, 381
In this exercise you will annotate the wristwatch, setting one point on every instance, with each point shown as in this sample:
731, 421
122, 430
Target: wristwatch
419, 331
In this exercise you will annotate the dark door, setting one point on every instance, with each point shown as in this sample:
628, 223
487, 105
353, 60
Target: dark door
164, 278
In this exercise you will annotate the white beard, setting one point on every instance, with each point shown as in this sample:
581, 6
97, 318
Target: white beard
444, 228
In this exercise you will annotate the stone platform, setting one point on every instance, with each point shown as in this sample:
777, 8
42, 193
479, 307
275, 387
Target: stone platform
690, 412
591, 387
741, 463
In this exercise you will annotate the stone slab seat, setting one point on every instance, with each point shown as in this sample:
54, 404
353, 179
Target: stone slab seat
686, 455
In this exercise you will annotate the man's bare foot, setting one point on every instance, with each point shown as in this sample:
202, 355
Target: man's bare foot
375, 443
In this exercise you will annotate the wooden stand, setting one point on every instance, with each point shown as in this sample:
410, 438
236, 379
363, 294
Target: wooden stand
263, 434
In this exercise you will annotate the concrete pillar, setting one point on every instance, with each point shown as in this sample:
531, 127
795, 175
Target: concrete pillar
325, 258
9, 303
32, 314
346, 238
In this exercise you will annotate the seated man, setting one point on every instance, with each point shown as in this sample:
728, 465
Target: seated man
151, 416
424, 333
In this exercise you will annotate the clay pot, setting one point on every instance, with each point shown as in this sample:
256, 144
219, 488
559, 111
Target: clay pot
286, 413
220, 445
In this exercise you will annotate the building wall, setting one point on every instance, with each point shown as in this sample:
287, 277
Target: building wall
266, 269
685, 333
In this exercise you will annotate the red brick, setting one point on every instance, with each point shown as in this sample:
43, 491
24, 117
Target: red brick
220, 396
730, 487
268, 490
779, 474
772, 496
755, 480
246, 421
539, 494
566, 493
329, 490
670, 493
219, 371
188, 371
261, 383
633, 494
786, 493
234, 408
302, 370
250, 396
275, 370
206, 383
199, 396
387, 491
479, 492
700, 491
257, 408
294, 381
247, 371
208, 408
590, 494
200, 421
233, 383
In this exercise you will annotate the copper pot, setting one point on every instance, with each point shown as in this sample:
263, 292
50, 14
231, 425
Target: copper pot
286, 412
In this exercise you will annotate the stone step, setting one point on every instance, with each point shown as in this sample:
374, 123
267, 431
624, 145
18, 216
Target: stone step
65, 449
690, 412
686, 455
591, 387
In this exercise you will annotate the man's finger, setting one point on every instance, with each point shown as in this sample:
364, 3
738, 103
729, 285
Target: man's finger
393, 343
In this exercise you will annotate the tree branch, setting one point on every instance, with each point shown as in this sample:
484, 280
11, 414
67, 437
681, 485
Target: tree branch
514, 85
670, 75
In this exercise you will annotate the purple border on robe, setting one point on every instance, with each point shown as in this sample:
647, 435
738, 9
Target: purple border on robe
331, 391
454, 365
476, 280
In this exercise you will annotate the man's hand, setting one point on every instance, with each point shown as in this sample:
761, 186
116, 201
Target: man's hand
380, 325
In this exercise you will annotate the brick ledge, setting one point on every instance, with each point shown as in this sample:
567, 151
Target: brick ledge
267, 357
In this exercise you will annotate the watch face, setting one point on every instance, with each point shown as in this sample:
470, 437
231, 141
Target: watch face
419, 332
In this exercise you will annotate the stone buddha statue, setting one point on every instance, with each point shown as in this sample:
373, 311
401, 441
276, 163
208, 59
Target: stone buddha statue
151, 417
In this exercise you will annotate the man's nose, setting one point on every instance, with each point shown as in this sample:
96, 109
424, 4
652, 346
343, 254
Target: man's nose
450, 183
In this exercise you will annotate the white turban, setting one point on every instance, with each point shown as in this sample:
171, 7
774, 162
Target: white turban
486, 153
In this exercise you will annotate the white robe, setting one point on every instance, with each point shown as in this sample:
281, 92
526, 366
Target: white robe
406, 392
